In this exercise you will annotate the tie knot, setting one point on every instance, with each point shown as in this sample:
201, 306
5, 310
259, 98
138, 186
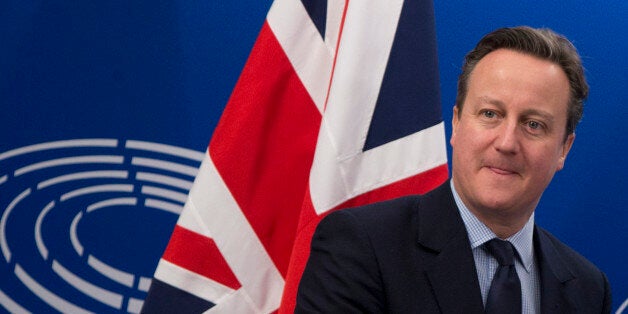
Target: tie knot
502, 250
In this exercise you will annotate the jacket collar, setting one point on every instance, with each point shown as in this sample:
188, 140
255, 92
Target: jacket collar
555, 275
452, 272
451, 269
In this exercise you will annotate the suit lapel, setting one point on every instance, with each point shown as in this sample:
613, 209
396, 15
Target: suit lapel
555, 276
450, 266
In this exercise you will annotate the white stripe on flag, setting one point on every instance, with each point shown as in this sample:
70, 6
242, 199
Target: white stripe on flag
335, 11
341, 170
333, 181
237, 302
304, 46
191, 282
212, 207
359, 72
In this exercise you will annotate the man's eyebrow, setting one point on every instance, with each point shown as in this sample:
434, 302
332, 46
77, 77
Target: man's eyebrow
528, 112
492, 101
543, 114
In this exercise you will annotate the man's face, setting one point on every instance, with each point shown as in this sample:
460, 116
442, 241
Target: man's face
508, 141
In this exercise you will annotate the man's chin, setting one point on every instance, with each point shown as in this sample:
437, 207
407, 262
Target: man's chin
504, 204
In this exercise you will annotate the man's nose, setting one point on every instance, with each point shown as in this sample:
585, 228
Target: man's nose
507, 139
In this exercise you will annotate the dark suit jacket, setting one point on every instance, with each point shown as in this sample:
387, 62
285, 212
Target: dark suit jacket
412, 255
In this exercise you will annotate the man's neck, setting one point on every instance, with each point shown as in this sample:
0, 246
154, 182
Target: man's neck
504, 223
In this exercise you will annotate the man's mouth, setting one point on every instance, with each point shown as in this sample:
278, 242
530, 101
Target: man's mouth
502, 171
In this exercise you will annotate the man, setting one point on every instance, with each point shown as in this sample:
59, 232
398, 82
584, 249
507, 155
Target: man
520, 97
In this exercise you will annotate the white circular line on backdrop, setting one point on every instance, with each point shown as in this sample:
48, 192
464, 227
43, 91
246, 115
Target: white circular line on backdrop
3, 224
167, 200
48, 296
39, 241
83, 175
69, 161
59, 144
130, 201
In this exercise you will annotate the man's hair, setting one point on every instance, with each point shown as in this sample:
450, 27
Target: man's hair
541, 43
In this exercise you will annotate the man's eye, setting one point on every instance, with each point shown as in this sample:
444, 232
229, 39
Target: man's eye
534, 125
489, 114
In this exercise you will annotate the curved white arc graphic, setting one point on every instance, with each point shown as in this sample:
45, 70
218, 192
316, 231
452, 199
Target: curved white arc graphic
155, 191
309, 55
144, 284
59, 144
46, 295
622, 307
165, 180
134, 306
39, 241
97, 159
111, 272
10, 305
97, 189
4, 245
130, 201
74, 239
114, 174
166, 149
164, 165
165, 206
100, 164
104, 296
212, 211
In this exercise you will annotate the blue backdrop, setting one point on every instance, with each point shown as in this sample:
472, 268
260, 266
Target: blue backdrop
144, 83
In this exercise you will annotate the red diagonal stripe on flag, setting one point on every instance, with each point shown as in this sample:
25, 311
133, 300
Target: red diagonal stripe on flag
263, 147
199, 254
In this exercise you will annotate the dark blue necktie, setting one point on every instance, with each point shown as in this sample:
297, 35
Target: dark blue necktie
504, 295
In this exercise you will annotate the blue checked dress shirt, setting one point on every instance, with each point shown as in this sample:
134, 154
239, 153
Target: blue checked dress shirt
486, 265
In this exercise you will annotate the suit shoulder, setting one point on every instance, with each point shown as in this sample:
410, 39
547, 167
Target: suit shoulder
398, 209
401, 214
590, 286
391, 219
578, 262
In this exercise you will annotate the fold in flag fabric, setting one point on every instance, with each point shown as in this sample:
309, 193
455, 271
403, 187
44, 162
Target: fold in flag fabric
338, 105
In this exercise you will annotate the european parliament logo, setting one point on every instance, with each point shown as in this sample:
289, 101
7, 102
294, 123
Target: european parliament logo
84, 222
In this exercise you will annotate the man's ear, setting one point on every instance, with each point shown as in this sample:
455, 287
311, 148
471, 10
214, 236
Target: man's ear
454, 124
565, 150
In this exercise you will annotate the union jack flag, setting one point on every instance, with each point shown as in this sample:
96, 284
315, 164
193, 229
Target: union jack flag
338, 105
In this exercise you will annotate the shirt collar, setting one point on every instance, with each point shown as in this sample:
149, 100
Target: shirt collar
479, 233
